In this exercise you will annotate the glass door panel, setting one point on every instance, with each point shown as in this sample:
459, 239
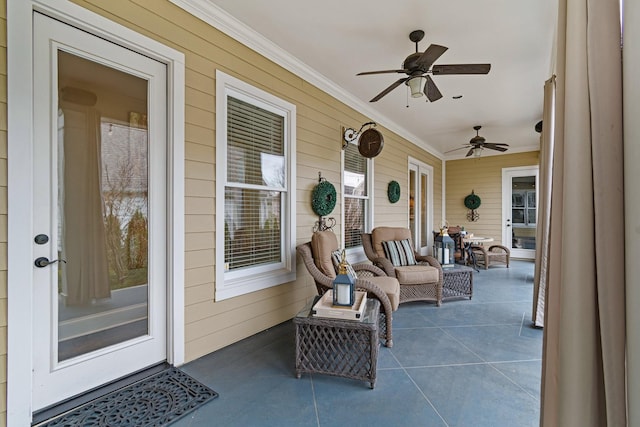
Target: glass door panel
102, 208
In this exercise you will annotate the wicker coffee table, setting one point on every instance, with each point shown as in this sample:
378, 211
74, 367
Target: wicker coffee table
457, 282
344, 348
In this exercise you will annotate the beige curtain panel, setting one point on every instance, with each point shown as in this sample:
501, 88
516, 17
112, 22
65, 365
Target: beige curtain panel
583, 378
544, 204
85, 276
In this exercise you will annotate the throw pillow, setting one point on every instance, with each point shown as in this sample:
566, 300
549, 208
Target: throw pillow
336, 257
399, 252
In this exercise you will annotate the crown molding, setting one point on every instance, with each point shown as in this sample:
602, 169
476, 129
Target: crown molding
231, 26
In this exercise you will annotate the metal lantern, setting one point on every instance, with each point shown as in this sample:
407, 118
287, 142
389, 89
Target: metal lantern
444, 249
344, 291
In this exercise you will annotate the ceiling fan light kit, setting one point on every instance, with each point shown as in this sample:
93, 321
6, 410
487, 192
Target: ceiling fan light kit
415, 85
417, 66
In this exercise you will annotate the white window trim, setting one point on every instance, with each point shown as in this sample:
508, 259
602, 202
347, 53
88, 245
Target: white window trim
232, 284
19, 176
422, 168
355, 255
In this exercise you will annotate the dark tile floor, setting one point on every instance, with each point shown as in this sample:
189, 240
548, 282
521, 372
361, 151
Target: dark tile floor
465, 364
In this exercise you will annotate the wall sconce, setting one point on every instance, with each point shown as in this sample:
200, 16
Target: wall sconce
370, 142
350, 134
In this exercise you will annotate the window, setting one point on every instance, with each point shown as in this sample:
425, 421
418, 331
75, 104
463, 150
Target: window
356, 191
255, 197
523, 207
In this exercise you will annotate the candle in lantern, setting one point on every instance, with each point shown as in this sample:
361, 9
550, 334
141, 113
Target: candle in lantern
343, 295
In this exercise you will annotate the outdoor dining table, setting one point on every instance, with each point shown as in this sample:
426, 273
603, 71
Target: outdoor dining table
475, 240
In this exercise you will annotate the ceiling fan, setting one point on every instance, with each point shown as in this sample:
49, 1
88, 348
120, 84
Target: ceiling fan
478, 143
419, 65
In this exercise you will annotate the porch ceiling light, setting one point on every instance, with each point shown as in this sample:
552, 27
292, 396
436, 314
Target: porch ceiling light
416, 85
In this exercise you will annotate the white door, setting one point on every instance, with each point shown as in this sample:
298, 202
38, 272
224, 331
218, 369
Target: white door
99, 208
519, 201
421, 205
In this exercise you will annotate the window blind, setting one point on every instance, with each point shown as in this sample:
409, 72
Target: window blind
355, 195
355, 172
255, 182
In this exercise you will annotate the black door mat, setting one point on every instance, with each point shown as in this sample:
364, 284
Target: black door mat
152, 402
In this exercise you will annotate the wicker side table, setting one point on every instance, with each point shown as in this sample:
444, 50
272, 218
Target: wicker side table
457, 282
344, 348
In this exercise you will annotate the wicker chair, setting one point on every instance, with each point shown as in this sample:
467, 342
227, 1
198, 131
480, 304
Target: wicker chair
421, 282
494, 255
317, 258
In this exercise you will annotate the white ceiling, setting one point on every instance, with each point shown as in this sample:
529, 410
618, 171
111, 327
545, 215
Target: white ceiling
339, 38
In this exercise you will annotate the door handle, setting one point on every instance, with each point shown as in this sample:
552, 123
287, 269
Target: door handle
44, 261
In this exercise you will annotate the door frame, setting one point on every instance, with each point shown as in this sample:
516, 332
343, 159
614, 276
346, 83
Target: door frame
507, 174
20, 183
422, 168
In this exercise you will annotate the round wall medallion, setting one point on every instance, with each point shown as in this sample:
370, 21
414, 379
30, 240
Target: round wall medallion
393, 191
472, 201
323, 198
370, 143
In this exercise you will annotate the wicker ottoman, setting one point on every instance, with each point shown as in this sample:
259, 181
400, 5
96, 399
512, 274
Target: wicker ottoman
457, 282
344, 348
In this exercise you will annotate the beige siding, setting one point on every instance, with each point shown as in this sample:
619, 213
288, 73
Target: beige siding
484, 177
392, 164
211, 325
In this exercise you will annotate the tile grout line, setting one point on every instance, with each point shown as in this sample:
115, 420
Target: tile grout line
420, 390
315, 403
536, 398
483, 325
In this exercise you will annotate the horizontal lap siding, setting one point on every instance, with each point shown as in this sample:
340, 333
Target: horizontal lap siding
212, 325
484, 177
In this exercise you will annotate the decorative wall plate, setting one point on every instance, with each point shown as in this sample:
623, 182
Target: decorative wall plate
472, 201
393, 191
323, 198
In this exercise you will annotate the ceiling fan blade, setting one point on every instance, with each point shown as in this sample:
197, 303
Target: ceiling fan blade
470, 152
494, 147
365, 73
430, 55
461, 69
431, 90
456, 149
389, 89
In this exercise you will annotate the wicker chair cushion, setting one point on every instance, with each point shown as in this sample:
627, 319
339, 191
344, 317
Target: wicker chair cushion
323, 244
399, 252
389, 286
383, 234
417, 274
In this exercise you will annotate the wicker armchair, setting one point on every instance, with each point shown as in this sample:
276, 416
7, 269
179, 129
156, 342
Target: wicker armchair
316, 256
421, 282
494, 255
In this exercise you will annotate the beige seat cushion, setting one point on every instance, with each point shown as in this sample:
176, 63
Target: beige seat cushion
323, 244
417, 274
390, 286
384, 234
